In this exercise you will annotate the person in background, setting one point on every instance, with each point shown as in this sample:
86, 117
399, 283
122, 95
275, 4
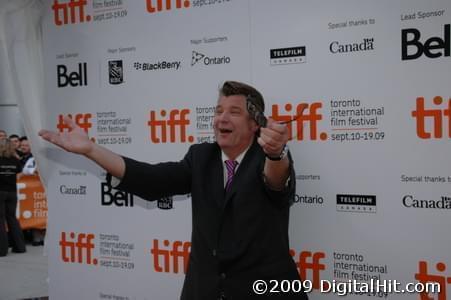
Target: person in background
29, 168
3, 134
15, 140
10, 166
25, 149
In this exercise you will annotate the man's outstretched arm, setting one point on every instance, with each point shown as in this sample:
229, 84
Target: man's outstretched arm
78, 142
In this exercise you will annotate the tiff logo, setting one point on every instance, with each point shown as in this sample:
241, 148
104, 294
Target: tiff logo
78, 248
436, 116
178, 250
424, 277
70, 12
159, 127
165, 5
314, 265
82, 120
305, 114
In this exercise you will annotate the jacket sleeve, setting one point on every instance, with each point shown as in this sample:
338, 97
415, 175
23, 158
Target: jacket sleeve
286, 196
154, 181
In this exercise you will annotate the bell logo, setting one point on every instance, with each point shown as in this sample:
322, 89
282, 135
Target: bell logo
78, 249
431, 47
436, 116
314, 265
159, 127
70, 12
179, 250
75, 78
118, 198
305, 113
82, 120
424, 277
165, 5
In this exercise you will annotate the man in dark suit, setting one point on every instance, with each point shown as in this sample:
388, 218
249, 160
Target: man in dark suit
242, 187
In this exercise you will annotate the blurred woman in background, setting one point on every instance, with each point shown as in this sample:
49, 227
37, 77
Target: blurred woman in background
10, 166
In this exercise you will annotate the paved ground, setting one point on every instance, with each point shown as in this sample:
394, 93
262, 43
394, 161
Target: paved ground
24, 275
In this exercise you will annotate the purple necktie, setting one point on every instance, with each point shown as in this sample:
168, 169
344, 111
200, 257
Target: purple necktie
231, 166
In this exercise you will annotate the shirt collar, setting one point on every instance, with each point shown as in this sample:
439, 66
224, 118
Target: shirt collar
238, 159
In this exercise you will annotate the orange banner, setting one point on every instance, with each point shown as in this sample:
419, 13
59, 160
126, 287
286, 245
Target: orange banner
32, 202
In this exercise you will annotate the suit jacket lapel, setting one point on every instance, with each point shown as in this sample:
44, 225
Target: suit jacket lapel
217, 179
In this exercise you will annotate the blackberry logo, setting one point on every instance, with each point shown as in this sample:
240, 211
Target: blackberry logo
161, 65
116, 72
197, 57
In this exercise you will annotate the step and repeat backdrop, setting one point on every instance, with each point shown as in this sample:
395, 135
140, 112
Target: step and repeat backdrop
371, 151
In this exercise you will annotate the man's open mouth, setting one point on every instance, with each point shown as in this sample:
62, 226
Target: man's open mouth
224, 130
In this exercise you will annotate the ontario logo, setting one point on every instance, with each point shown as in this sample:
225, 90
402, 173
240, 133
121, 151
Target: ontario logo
200, 58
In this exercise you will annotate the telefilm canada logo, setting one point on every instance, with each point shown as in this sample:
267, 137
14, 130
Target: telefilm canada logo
201, 58
285, 56
115, 72
356, 203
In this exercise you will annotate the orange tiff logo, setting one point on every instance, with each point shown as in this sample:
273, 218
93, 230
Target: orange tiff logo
82, 120
437, 116
165, 5
310, 261
177, 121
77, 248
304, 114
167, 259
70, 12
424, 277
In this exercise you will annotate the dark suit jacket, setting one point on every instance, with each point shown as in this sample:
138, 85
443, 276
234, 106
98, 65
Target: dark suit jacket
238, 236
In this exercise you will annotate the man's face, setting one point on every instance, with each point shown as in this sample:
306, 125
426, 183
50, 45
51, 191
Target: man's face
25, 147
2, 135
234, 129
15, 141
